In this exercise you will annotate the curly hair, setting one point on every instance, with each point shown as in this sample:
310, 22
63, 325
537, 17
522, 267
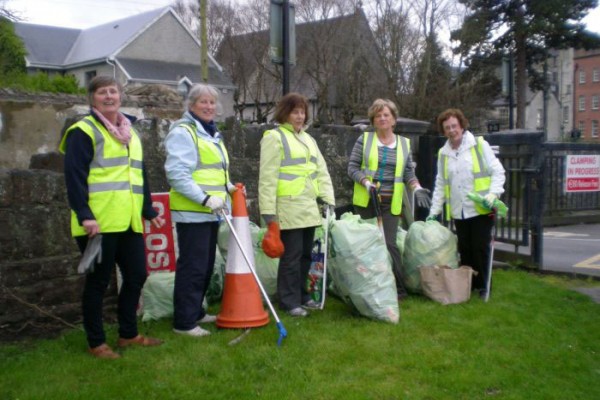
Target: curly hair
449, 113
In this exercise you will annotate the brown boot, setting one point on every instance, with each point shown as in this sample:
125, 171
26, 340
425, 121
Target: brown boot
139, 340
103, 351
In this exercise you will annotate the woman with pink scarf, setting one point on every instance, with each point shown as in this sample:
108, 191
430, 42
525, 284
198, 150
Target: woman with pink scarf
108, 195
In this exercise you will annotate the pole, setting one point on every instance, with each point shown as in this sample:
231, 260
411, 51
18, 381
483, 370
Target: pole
286, 46
203, 41
511, 89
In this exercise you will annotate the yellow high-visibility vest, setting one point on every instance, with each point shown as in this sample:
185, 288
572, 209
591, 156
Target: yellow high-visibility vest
115, 181
296, 164
369, 166
481, 184
211, 174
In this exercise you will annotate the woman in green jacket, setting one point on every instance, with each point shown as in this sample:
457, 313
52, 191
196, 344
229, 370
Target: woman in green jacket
293, 175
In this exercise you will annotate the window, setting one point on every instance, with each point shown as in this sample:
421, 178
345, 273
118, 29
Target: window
89, 75
504, 115
568, 89
596, 75
581, 126
595, 102
566, 115
582, 76
539, 119
581, 103
595, 128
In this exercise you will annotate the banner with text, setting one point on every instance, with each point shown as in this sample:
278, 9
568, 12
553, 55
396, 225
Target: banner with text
582, 173
160, 244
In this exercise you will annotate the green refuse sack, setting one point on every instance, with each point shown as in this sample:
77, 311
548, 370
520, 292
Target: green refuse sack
361, 268
266, 267
157, 296
214, 293
427, 243
400, 239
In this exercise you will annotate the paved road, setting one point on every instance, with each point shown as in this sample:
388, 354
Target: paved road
573, 249
570, 249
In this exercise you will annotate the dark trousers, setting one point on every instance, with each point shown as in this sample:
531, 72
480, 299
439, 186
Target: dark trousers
474, 245
197, 244
127, 250
294, 265
390, 230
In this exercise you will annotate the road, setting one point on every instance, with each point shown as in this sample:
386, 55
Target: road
572, 249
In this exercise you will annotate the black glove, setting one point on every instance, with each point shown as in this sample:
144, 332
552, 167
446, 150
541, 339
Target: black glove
422, 198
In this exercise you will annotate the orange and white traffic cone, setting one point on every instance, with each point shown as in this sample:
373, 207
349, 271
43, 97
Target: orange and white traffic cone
242, 306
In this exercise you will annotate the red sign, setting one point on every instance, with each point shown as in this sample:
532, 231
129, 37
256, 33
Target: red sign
159, 242
582, 173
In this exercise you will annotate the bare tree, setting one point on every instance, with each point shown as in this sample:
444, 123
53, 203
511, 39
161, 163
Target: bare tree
7, 13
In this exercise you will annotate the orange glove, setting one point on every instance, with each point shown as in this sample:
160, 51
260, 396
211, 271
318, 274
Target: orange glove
271, 244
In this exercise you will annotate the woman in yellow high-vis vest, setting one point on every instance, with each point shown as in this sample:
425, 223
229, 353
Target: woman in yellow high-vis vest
466, 164
383, 158
108, 195
293, 175
197, 168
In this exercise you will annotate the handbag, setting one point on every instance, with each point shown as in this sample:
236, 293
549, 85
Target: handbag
447, 285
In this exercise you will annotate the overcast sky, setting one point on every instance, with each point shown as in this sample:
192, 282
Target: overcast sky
85, 13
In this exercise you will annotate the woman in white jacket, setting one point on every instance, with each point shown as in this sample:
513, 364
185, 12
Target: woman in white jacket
467, 164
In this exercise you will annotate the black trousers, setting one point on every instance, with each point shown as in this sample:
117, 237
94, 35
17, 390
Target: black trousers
197, 243
390, 230
294, 265
474, 245
127, 250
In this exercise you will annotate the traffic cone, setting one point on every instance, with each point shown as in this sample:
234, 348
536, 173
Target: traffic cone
242, 305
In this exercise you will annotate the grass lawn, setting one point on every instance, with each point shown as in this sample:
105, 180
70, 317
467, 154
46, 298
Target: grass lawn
535, 339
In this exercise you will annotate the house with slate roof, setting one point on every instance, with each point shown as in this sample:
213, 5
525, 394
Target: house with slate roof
338, 68
153, 47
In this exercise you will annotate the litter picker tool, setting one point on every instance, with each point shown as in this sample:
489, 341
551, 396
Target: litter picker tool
377, 205
324, 291
490, 266
280, 327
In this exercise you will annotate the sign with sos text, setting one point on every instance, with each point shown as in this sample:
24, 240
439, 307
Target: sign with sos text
582, 173
159, 242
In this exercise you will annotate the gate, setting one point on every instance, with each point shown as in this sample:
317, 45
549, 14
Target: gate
520, 234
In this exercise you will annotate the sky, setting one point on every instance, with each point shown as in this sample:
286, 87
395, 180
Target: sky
86, 13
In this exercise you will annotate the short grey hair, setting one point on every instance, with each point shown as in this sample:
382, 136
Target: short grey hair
198, 90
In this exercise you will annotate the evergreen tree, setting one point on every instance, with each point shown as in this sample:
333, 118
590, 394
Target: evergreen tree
12, 50
525, 28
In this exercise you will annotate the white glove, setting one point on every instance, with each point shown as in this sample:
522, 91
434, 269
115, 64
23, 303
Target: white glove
367, 184
489, 200
231, 188
215, 203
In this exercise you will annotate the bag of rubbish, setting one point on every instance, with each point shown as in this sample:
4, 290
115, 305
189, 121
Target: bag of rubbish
361, 269
157, 295
266, 267
400, 239
217, 280
427, 243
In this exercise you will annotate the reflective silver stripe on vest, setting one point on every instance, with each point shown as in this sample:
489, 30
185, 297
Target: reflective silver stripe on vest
209, 166
287, 153
291, 177
111, 186
99, 161
199, 165
367, 153
482, 166
213, 188
400, 179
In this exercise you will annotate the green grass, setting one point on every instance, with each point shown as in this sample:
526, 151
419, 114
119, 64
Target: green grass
535, 339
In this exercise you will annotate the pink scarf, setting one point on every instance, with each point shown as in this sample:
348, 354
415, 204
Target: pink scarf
121, 132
